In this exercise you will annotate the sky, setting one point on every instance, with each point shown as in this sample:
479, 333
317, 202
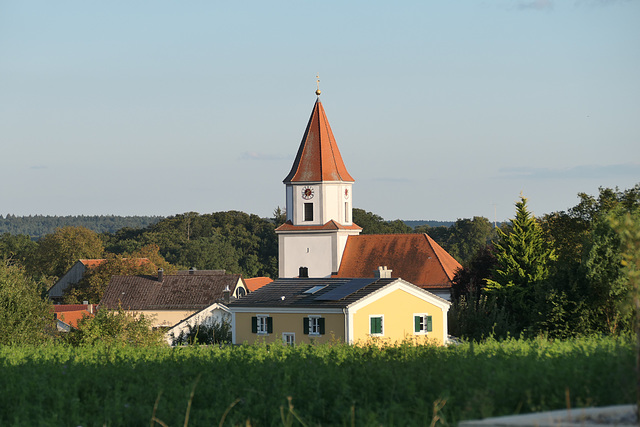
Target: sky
441, 109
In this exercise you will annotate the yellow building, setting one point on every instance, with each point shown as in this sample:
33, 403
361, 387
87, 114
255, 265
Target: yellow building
349, 310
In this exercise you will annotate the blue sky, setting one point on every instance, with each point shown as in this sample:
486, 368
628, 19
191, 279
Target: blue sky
442, 110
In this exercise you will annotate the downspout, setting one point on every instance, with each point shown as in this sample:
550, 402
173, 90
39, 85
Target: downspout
345, 311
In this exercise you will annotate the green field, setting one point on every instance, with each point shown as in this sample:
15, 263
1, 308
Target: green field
328, 385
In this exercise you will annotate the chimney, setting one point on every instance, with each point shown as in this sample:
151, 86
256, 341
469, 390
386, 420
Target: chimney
226, 295
303, 272
382, 273
160, 275
192, 270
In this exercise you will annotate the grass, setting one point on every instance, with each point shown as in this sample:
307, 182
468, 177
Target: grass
309, 385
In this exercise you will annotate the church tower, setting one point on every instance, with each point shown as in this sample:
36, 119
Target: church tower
318, 203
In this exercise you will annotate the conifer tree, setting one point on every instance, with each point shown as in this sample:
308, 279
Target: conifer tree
523, 262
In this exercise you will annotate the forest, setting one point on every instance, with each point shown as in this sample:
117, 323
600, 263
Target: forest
561, 274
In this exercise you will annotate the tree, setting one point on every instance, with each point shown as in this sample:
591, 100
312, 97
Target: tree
146, 260
472, 278
25, 318
375, 224
16, 248
523, 262
608, 286
58, 251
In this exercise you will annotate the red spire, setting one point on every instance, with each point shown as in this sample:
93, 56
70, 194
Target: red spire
318, 157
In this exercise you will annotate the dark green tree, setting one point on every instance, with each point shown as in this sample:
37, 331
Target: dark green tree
523, 262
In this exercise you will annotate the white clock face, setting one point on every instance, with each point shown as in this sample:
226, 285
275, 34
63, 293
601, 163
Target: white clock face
307, 193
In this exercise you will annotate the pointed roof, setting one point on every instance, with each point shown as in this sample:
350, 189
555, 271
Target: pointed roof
416, 258
318, 157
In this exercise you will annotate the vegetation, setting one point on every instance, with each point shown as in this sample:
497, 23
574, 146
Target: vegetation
216, 333
309, 385
566, 271
25, 318
112, 328
37, 226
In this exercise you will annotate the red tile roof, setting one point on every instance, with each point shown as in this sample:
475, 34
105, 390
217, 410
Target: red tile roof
72, 317
331, 225
416, 258
61, 308
91, 263
257, 282
318, 157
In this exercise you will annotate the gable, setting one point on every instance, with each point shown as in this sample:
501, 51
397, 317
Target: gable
417, 258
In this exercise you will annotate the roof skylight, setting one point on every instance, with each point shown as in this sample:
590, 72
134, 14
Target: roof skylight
314, 289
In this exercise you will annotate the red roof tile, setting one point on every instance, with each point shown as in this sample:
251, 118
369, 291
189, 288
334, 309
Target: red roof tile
331, 225
257, 282
416, 258
318, 157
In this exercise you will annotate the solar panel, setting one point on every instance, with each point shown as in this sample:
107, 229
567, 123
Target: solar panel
345, 289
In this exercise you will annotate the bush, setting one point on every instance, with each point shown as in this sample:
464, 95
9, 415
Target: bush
25, 318
116, 327
216, 333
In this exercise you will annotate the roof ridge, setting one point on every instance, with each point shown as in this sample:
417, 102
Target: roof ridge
438, 252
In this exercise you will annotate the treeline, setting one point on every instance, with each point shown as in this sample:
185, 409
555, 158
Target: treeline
568, 273
37, 226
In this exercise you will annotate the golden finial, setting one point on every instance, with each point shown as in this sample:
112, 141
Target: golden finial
318, 84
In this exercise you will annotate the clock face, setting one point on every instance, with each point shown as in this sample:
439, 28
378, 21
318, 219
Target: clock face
346, 193
307, 193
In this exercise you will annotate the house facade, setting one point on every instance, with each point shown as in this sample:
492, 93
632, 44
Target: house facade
297, 310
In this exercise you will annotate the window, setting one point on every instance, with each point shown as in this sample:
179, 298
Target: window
313, 325
315, 289
308, 211
376, 325
288, 338
346, 212
262, 324
422, 323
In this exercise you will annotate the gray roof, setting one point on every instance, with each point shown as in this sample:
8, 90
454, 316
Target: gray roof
293, 291
181, 291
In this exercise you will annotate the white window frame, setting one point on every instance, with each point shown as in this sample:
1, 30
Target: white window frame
424, 316
286, 335
381, 334
314, 325
262, 324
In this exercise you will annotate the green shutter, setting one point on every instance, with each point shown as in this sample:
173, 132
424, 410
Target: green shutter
321, 325
305, 325
416, 323
254, 325
429, 324
269, 325
376, 325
